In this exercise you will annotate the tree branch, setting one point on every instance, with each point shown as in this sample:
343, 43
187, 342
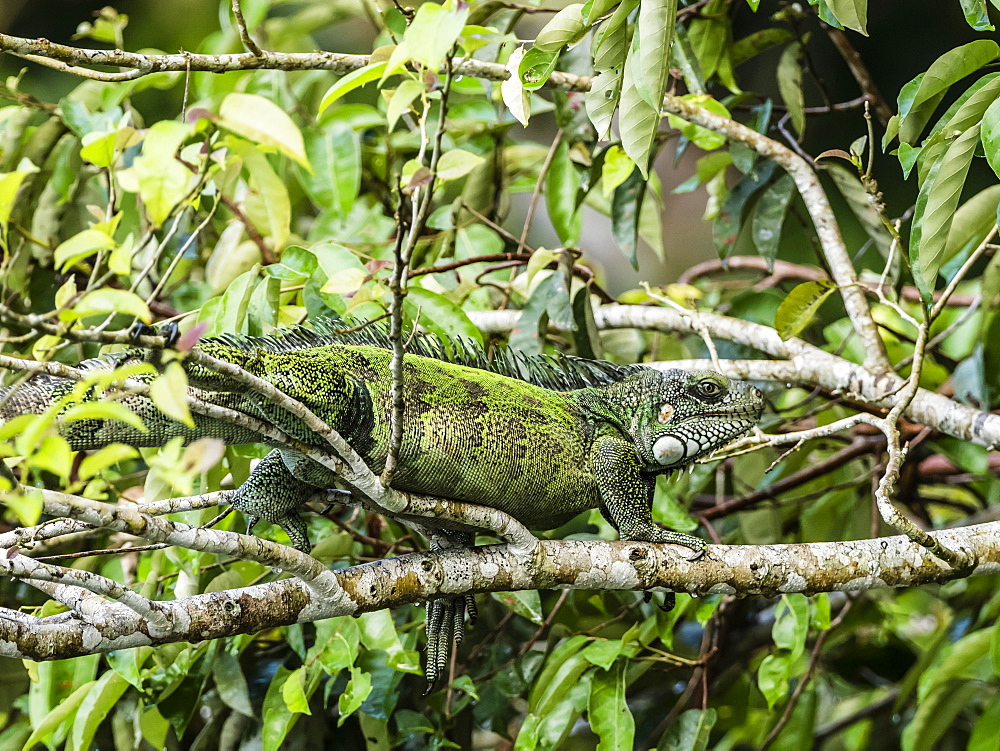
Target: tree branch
558, 564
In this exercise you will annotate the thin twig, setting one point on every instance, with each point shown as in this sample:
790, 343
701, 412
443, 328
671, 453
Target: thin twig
241, 26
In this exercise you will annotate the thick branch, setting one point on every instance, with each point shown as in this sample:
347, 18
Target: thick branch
558, 564
189, 61
803, 364
818, 206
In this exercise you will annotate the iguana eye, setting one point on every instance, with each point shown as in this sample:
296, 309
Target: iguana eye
709, 388
665, 413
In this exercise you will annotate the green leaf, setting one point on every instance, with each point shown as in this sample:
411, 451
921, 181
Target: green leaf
936, 713
709, 36
769, 216
973, 221
535, 68
654, 32
772, 677
798, 309
969, 657
563, 668
269, 195
561, 184
919, 98
352, 81
357, 690
9, 184
293, 691
512, 90
691, 731
790, 85
638, 121
377, 630
81, 245
791, 624
935, 210
95, 709
760, 41
564, 28
987, 728
108, 300
26, 505
163, 180
610, 50
102, 148
408, 90
603, 652
611, 43
230, 681
457, 163
990, 135
625, 206
850, 187
703, 138
169, 393
610, 718
46, 728
261, 121
602, 100
104, 457
433, 32
615, 169
726, 228
976, 15
440, 315
104, 411
852, 14
526, 603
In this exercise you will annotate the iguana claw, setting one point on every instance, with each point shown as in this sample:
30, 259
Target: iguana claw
445, 626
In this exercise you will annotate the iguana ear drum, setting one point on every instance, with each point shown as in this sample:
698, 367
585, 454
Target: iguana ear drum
666, 412
669, 450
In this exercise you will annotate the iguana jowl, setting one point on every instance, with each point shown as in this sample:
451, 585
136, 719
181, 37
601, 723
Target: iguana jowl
541, 439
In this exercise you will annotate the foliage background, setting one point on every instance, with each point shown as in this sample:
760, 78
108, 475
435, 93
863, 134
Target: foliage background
880, 669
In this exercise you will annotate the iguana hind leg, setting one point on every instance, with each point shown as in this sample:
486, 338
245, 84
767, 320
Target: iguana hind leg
445, 623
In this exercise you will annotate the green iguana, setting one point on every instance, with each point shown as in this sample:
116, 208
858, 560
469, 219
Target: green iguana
541, 438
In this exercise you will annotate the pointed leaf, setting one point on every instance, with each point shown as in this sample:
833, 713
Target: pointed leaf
353, 80
919, 98
769, 215
638, 121
433, 32
935, 210
852, 14
259, 120
169, 393
790, 85
991, 136
798, 309
610, 718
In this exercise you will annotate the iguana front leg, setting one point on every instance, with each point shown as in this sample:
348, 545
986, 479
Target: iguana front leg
445, 623
626, 495
274, 493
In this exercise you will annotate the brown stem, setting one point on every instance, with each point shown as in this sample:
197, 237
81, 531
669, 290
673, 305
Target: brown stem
861, 445
860, 73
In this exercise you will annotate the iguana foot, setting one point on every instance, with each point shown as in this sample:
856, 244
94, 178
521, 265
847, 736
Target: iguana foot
669, 600
445, 627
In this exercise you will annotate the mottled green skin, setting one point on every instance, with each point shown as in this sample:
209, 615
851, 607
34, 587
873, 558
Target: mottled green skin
540, 455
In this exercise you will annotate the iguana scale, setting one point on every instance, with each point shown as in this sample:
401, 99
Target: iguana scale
540, 438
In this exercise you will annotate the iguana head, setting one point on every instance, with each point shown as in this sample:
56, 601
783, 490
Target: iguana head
679, 416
